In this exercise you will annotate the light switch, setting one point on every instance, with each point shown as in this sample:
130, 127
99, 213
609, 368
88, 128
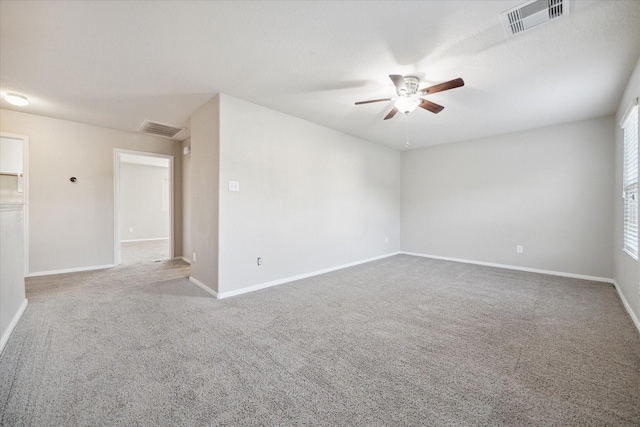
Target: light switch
234, 185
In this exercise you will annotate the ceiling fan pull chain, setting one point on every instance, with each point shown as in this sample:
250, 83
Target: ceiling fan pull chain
406, 131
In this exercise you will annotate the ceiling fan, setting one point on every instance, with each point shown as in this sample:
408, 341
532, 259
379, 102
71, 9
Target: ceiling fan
409, 96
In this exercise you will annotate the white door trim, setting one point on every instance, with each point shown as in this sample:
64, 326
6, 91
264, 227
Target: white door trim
117, 152
25, 192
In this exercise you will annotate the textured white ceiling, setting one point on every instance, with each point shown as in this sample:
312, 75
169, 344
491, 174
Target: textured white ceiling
116, 64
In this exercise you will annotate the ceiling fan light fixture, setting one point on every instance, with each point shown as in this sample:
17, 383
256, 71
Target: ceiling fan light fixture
410, 96
407, 104
17, 100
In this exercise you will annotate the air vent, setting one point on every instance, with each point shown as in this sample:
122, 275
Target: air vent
159, 129
531, 14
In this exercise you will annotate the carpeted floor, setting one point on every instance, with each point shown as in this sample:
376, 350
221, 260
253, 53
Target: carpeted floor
400, 341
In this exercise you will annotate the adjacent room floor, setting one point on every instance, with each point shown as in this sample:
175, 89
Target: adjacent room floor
144, 252
399, 341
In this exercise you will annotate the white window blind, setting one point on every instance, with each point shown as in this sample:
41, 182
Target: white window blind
630, 182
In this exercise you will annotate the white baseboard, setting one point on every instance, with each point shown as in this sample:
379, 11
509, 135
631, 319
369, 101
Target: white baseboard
514, 267
12, 325
204, 287
625, 304
298, 277
70, 270
144, 240
183, 258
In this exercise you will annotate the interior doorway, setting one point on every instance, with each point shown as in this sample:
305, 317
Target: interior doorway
143, 225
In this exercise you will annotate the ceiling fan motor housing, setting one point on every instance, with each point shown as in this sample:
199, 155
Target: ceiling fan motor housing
412, 83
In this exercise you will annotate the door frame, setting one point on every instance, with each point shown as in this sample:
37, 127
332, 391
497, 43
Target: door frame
117, 152
25, 192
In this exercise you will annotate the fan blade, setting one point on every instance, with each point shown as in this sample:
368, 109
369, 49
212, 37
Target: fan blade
391, 113
398, 81
431, 106
452, 84
373, 100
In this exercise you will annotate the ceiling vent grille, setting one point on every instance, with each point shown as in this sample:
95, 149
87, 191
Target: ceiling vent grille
159, 129
531, 14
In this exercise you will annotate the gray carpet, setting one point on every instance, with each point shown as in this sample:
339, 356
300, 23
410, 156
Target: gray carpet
400, 341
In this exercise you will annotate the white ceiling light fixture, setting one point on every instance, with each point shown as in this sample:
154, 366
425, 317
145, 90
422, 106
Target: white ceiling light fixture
406, 104
17, 100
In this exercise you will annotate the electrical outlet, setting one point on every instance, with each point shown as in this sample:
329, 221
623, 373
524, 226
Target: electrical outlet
259, 260
130, 229
386, 240
194, 257
234, 185
519, 249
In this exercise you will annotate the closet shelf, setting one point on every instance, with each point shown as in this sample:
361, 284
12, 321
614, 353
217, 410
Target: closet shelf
9, 173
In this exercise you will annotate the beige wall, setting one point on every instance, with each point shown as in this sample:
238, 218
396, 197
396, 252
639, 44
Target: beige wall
310, 198
626, 270
205, 168
71, 226
548, 189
